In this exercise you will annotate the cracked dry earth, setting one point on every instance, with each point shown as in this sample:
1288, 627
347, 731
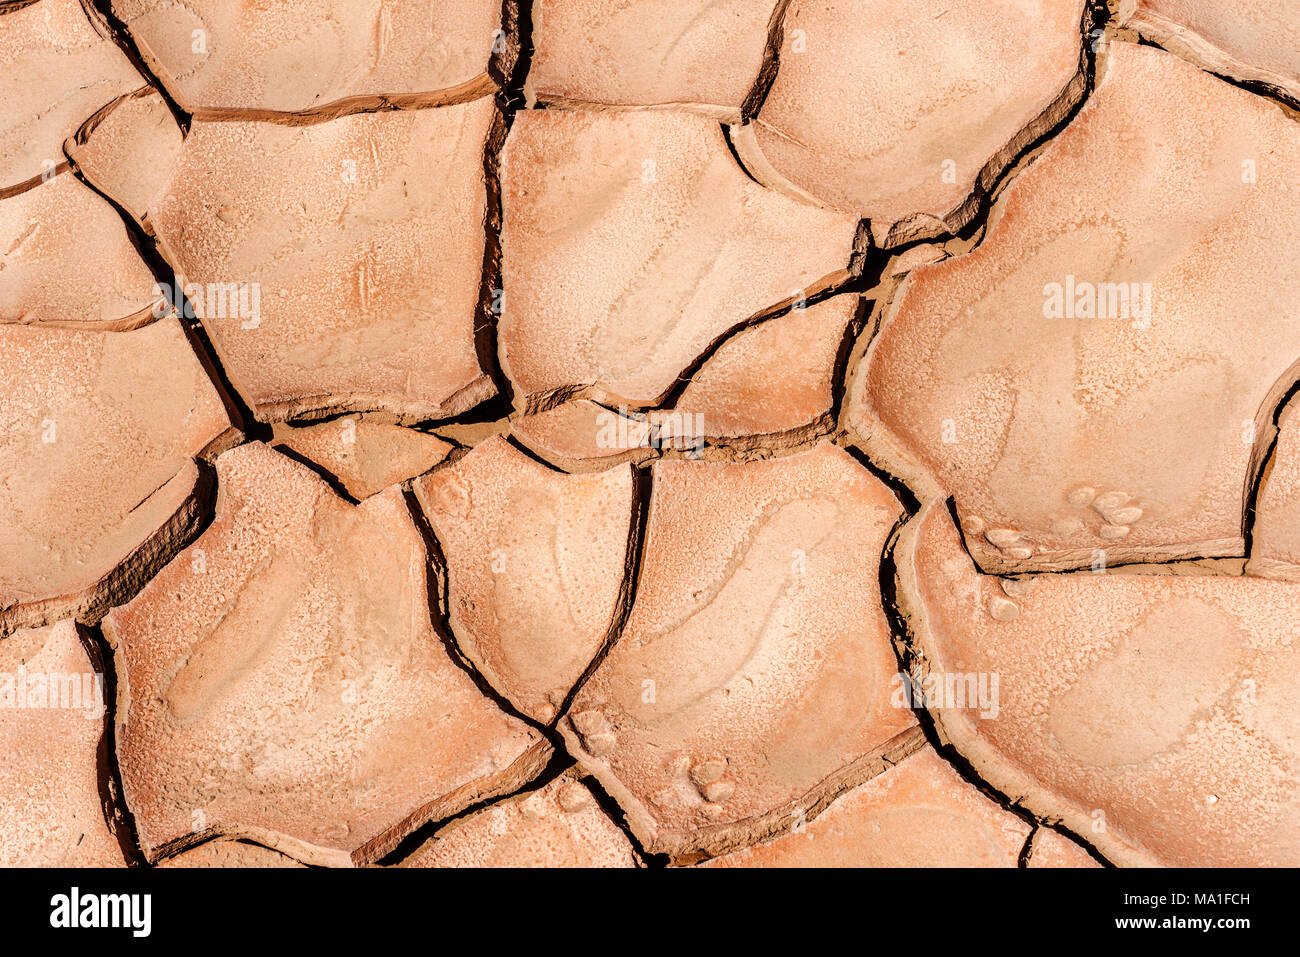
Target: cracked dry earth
733, 433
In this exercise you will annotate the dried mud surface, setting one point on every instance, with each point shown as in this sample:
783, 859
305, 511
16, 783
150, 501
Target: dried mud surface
565, 433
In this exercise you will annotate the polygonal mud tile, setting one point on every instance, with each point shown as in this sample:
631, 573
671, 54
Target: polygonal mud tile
632, 241
1154, 714
316, 57
363, 456
581, 436
697, 54
222, 854
537, 566
128, 150
281, 680
1275, 536
57, 67
52, 729
1073, 382
732, 397
1253, 40
940, 98
1049, 848
46, 276
102, 429
559, 825
354, 248
751, 683
920, 813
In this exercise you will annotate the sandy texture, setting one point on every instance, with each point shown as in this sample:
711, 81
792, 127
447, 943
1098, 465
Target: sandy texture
101, 487
52, 812
127, 151
751, 683
699, 54
45, 232
1153, 713
731, 397
315, 56
1275, 551
1253, 40
281, 680
1051, 849
224, 854
56, 69
632, 241
942, 96
559, 825
917, 814
1069, 439
397, 391
536, 565
364, 237
365, 457
580, 435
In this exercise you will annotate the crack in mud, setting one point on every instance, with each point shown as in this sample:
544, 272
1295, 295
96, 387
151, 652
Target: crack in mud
866, 277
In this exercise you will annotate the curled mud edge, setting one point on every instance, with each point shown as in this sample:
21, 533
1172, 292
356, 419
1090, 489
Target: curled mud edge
195, 487
993, 774
928, 227
963, 749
